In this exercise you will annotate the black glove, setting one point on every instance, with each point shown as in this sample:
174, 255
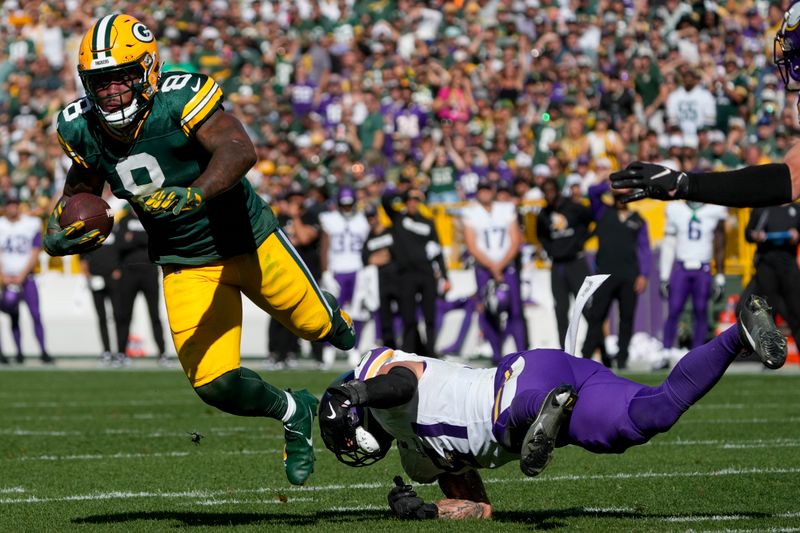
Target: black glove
406, 505
653, 181
663, 289
354, 391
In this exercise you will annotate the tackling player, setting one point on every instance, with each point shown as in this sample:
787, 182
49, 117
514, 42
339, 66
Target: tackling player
450, 420
754, 186
694, 233
163, 142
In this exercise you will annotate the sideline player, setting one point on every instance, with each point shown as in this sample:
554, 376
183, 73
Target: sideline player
450, 420
754, 186
164, 143
20, 242
493, 237
695, 232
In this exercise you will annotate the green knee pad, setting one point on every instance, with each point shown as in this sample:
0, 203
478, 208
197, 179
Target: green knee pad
342, 334
242, 392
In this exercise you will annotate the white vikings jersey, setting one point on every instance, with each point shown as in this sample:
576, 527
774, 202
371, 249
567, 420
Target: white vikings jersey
346, 236
694, 231
491, 227
447, 426
17, 240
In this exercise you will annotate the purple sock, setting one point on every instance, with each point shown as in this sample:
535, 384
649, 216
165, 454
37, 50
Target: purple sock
655, 409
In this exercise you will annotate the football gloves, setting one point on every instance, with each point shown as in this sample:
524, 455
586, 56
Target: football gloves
663, 289
175, 199
651, 181
60, 241
406, 505
353, 391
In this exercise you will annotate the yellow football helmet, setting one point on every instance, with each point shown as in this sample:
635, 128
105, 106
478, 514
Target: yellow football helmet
118, 50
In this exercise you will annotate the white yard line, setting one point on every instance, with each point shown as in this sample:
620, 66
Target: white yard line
12, 490
210, 494
725, 517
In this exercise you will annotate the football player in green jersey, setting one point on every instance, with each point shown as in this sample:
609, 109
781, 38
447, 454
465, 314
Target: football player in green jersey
163, 142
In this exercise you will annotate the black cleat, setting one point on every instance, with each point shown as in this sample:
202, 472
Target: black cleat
759, 334
3, 359
47, 359
540, 440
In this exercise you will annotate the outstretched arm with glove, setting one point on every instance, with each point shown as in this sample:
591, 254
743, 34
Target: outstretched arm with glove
466, 498
756, 186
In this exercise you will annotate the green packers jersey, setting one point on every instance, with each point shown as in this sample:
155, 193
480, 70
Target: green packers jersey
166, 153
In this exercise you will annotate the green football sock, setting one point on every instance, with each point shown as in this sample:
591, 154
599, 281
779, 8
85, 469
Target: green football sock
242, 392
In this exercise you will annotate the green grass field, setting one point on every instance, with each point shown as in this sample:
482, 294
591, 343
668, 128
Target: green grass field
111, 450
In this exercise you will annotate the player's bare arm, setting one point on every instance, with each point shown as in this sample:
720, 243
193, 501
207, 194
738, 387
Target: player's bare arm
81, 179
466, 496
232, 153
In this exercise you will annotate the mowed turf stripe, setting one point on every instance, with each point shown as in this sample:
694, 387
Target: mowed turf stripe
122, 495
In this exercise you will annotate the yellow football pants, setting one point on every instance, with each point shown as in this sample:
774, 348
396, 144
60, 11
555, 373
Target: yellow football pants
204, 305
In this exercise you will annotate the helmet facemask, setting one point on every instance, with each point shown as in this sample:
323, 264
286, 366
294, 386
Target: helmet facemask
123, 108
356, 439
786, 49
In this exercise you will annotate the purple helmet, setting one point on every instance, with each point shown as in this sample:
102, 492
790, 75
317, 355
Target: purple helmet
497, 299
352, 434
786, 48
346, 196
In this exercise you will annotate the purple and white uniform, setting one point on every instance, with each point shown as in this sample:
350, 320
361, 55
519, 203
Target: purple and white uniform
462, 418
493, 239
18, 238
447, 427
346, 236
691, 234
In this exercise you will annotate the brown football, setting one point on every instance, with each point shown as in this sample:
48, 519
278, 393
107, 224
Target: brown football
91, 209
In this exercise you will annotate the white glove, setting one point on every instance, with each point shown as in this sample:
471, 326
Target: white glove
330, 284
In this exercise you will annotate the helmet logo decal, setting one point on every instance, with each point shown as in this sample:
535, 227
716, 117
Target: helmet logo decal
792, 18
141, 32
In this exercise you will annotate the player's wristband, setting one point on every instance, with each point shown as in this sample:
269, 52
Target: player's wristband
756, 186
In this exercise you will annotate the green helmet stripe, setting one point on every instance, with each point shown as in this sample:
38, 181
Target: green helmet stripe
101, 38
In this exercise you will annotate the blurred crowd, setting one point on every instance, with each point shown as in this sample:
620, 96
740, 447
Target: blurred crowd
442, 94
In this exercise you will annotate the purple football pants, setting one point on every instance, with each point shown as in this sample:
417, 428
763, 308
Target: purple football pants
29, 294
682, 284
515, 326
612, 413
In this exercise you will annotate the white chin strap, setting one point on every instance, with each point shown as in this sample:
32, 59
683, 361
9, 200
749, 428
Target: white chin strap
366, 441
122, 117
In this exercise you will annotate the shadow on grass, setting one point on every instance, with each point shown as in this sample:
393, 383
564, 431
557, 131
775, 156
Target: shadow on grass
187, 518
549, 519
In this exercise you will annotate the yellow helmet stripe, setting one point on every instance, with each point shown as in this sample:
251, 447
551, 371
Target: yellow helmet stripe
101, 38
